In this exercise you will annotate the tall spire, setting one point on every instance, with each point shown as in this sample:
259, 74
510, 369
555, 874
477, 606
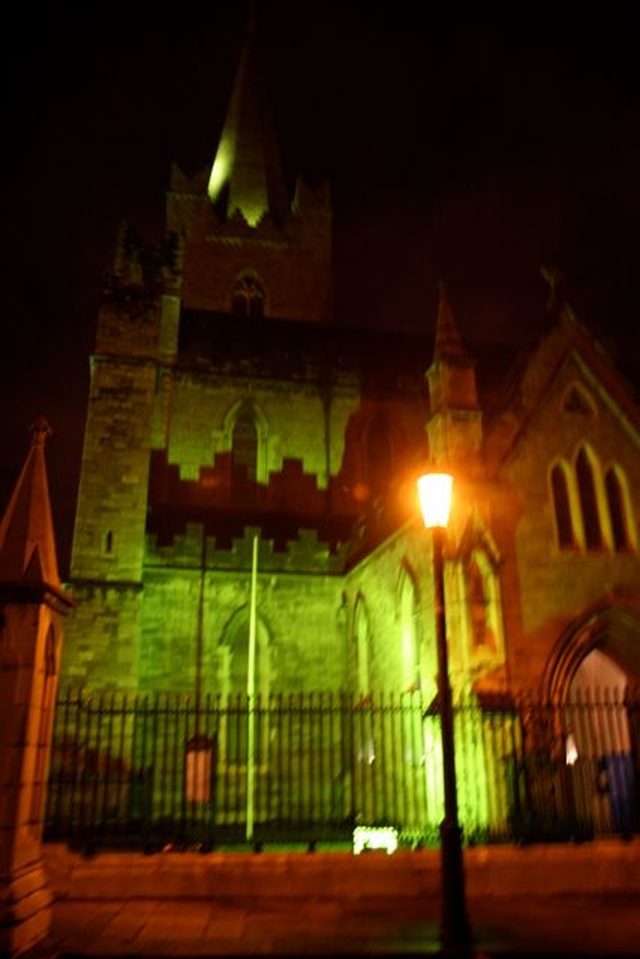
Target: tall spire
247, 173
27, 542
448, 344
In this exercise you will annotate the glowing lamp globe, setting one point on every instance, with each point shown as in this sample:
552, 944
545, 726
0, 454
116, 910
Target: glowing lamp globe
434, 493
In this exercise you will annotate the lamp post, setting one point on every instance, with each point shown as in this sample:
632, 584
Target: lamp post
434, 491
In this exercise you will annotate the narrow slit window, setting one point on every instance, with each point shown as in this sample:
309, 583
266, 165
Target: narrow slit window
562, 508
615, 502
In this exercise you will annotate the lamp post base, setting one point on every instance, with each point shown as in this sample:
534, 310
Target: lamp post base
455, 931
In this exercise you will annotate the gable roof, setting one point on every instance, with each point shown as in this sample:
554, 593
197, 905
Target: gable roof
535, 371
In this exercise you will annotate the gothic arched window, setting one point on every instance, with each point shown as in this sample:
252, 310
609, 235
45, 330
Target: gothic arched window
363, 649
244, 454
617, 510
481, 599
244, 444
233, 678
409, 640
562, 506
477, 603
588, 501
248, 297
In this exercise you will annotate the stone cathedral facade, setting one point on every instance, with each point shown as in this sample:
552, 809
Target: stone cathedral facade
233, 428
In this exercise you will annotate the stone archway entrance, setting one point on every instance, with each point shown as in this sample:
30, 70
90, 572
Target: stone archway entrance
602, 736
612, 630
594, 676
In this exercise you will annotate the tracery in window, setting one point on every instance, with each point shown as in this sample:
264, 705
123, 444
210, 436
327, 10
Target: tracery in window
248, 297
592, 511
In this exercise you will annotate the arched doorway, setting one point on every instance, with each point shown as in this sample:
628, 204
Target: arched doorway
600, 743
592, 680
612, 630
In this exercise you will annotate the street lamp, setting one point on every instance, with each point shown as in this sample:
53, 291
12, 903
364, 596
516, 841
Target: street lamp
434, 492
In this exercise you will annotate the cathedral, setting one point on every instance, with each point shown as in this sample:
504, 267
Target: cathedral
247, 518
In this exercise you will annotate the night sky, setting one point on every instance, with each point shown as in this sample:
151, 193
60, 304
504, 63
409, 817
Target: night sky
473, 149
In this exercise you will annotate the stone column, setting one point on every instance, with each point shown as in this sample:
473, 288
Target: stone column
28, 673
32, 607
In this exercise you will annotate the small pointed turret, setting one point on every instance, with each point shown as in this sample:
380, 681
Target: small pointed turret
454, 427
27, 542
247, 175
448, 344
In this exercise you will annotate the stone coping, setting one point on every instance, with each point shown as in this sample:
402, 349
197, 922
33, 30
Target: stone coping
609, 867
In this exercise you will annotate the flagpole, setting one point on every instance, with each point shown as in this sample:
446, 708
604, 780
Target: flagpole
251, 692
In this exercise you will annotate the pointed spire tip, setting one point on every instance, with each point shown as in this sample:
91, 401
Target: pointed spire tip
39, 431
448, 344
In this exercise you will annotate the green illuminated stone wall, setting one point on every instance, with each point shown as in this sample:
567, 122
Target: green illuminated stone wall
108, 542
292, 260
376, 582
291, 421
188, 617
101, 645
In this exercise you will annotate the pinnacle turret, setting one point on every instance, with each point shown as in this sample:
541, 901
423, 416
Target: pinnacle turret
454, 426
27, 542
448, 344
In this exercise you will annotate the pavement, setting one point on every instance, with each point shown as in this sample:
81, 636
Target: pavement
519, 902
571, 926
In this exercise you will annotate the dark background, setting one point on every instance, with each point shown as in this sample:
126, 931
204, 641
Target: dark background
458, 146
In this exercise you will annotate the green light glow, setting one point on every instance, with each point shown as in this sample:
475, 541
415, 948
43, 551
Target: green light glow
478, 774
221, 169
252, 212
247, 196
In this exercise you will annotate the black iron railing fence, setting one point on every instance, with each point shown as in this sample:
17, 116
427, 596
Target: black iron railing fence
148, 771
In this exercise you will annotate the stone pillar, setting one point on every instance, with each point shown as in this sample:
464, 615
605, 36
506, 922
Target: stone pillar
29, 662
32, 607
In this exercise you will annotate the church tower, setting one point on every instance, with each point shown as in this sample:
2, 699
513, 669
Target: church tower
246, 248
239, 257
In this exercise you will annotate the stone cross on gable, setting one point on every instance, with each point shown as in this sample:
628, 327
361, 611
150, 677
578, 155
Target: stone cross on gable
553, 277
